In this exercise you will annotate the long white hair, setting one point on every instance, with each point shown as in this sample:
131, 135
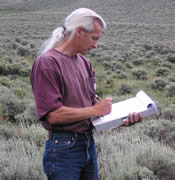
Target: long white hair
80, 17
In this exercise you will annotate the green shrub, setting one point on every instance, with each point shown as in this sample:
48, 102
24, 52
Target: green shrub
150, 54
158, 159
109, 73
171, 58
33, 53
20, 160
105, 86
171, 89
121, 60
4, 69
169, 112
32, 46
12, 52
107, 65
108, 58
166, 64
138, 62
161, 130
14, 45
18, 40
14, 69
130, 155
24, 43
156, 61
28, 116
171, 78
3, 51
25, 72
7, 130
11, 104
21, 151
162, 71
139, 74
5, 81
117, 65
9, 60
101, 45
161, 49
33, 133
147, 47
125, 89
122, 75
158, 83
129, 65
22, 51
125, 153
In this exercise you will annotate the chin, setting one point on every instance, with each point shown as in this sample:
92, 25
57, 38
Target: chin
84, 52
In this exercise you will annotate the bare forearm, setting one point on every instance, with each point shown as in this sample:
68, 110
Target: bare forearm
65, 115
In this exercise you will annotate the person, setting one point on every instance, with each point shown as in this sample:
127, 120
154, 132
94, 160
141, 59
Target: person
64, 88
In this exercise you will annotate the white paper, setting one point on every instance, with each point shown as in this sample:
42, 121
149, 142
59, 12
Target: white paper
142, 103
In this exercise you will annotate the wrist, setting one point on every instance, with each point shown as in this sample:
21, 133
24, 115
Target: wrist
95, 111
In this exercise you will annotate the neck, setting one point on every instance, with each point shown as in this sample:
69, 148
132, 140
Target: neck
66, 48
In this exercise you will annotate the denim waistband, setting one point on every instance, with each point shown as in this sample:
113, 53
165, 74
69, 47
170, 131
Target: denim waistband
76, 135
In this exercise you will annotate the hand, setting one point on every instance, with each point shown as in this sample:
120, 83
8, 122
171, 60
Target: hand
103, 107
47, 135
132, 119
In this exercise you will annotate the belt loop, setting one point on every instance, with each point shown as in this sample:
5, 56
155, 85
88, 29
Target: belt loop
76, 135
50, 134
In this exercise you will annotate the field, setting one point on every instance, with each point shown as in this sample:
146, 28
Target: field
136, 52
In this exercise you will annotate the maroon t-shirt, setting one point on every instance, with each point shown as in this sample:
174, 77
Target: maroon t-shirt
59, 80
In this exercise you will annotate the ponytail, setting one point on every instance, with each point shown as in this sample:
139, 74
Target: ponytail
80, 17
56, 37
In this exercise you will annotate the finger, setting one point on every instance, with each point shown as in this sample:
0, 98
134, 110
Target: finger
140, 118
126, 122
131, 119
109, 99
136, 117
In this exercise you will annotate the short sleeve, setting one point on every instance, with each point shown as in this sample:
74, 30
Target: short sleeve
47, 87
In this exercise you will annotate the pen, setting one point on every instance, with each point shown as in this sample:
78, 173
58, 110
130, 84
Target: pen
97, 97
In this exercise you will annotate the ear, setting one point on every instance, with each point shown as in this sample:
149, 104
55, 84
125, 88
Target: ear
79, 31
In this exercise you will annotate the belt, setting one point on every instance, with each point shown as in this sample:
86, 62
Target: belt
77, 135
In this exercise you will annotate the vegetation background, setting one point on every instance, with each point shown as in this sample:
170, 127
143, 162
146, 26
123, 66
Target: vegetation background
136, 52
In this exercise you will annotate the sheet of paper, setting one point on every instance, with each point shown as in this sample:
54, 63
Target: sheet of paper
144, 98
120, 110
123, 109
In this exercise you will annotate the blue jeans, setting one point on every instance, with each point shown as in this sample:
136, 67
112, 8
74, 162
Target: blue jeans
70, 156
